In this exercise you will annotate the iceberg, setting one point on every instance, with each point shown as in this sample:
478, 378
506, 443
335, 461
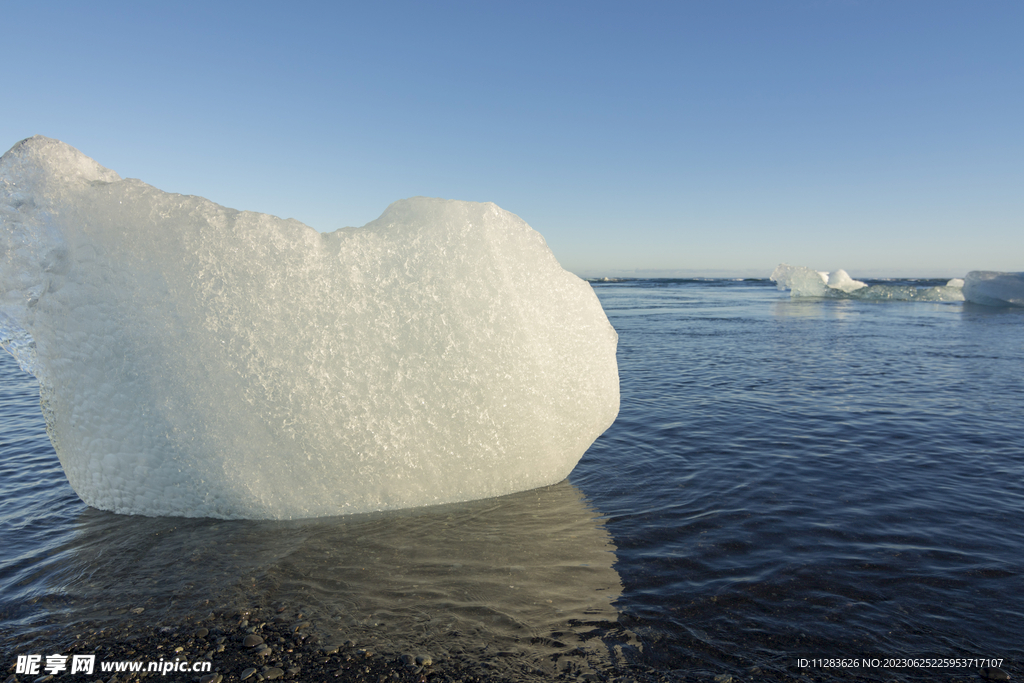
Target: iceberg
194, 360
994, 289
805, 282
800, 281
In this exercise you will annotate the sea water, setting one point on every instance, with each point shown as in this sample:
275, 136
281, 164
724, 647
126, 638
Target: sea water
787, 477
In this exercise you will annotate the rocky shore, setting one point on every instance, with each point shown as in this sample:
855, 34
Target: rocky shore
254, 645
251, 645
270, 644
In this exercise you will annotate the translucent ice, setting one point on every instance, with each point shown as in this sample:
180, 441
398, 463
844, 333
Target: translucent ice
994, 289
800, 281
805, 282
195, 360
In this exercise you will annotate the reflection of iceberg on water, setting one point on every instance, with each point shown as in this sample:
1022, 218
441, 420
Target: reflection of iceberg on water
194, 360
521, 580
805, 282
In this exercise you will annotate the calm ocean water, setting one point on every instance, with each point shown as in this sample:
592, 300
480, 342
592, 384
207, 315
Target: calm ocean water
787, 477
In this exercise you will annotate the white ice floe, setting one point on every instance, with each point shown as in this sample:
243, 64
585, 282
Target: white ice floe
843, 282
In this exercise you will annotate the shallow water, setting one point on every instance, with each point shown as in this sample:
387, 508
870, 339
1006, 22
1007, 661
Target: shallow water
786, 477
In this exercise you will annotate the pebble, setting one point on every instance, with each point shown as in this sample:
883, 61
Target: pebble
994, 673
202, 633
723, 678
138, 610
305, 663
301, 625
252, 640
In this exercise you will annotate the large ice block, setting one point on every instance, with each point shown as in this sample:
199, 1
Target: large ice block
200, 361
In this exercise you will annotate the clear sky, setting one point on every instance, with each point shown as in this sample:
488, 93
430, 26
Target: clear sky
883, 137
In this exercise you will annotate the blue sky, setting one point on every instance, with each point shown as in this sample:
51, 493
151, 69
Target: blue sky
881, 137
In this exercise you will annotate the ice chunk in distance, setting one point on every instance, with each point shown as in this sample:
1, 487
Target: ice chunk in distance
842, 281
804, 282
200, 361
994, 289
801, 281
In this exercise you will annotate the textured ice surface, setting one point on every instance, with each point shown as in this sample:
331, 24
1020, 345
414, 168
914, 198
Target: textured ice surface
800, 281
804, 282
842, 281
994, 289
196, 360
